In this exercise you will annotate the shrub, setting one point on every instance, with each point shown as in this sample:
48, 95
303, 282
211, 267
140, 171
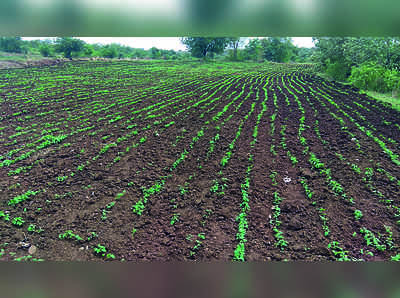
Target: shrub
45, 50
375, 77
338, 71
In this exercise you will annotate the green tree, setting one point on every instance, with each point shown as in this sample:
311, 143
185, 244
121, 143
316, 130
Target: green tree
68, 46
337, 55
234, 43
253, 50
11, 44
109, 51
278, 49
331, 57
155, 53
382, 50
45, 50
304, 54
201, 47
138, 53
88, 50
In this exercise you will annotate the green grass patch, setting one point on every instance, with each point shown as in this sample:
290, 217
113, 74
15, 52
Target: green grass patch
385, 97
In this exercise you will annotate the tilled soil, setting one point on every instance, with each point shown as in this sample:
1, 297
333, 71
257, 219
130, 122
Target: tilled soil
193, 200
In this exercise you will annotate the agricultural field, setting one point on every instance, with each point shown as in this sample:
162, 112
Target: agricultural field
140, 160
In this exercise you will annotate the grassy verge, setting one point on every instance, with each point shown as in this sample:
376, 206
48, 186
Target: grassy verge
384, 97
19, 57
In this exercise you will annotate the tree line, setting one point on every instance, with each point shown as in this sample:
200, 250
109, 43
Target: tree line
276, 49
369, 63
70, 47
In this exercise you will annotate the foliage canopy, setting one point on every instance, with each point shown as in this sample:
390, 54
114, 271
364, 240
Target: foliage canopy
200, 47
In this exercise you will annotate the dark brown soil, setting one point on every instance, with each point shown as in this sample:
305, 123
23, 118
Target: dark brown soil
206, 218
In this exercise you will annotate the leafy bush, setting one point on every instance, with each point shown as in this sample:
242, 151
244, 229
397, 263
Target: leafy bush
11, 44
109, 52
338, 71
375, 77
45, 50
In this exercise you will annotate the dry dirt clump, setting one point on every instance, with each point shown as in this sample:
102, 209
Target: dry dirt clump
29, 63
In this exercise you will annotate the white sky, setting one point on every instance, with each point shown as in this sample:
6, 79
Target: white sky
165, 43
304, 42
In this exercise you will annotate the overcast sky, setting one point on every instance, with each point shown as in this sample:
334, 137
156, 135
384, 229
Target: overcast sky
166, 43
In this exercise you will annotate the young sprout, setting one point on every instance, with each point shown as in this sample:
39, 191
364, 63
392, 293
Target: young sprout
133, 232
174, 219
17, 221
358, 214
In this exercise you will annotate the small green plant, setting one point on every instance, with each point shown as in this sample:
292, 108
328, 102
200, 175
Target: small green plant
121, 194
32, 228
372, 240
369, 173
294, 161
339, 252
100, 250
214, 188
307, 189
4, 215
315, 162
225, 160
107, 209
207, 213
358, 214
198, 244
395, 258
70, 235
182, 190
273, 176
92, 236
17, 221
133, 232
174, 219
340, 156
23, 197
336, 187
324, 218
62, 178
355, 168
389, 237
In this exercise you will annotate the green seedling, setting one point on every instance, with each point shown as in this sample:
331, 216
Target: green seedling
358, 214
70, 235
17, 221
372, 240
32, 228
62, 178
4, 215
174, 219
395, 258
100, 250
92, 236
